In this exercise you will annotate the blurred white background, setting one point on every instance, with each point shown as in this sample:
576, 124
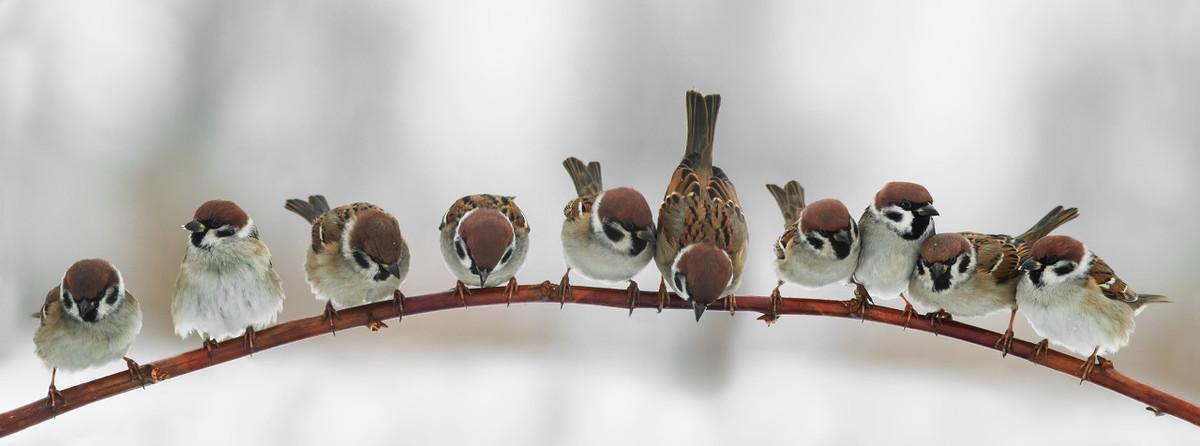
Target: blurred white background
118, 118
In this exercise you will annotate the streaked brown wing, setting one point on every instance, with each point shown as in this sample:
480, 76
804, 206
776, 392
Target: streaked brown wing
995, 254
328, 227
580, 207
1112, 286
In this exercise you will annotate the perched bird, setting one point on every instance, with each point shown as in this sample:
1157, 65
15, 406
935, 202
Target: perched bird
819, 245
971, 274
484, 239
1074, 299
702, 233
226, 285
88, 320
608, 235
892, 230
358, 255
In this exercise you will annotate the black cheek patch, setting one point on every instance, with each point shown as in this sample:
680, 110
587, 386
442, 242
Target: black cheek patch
1064, 270
507, 255
226, 232
816, 243
893, 216
459, 249
613, 234
963, 264
67, 303
361, 260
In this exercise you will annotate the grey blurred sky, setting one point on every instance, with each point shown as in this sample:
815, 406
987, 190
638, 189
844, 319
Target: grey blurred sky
118, 119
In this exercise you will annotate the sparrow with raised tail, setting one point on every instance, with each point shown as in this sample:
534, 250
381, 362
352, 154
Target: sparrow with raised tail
227, 285
971, 274
1073, 299
702, 234
608, 235
484, 239
88, 320
892, 230
358, 255
819, 245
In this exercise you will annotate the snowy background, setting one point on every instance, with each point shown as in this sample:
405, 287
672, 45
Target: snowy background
118, 118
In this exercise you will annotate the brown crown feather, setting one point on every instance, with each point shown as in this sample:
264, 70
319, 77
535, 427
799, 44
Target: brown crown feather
377, 234
487, 234
897, 191
87, 279
625, 205
942, 248
707, 270
825, 215
217, 213
1058, 246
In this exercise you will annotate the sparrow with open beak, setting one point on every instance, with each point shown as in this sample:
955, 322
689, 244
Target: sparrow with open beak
484, 239
819, 245
892, 229
608, 235
88, 320
227, 286
358, 255
702, 234
1073, 299
971, 274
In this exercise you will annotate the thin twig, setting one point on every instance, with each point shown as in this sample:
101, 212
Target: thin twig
1157, 401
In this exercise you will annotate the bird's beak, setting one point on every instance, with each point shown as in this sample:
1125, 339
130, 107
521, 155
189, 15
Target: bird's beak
938, 269
394, 270
699, 309
1031, 265
86, 307
842, 236
483, 275
194, 226
646, 234
927, 211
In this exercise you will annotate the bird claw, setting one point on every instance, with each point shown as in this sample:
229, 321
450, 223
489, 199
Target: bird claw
776, 300
663, 296
460, 288
209, 345
908, 313
1004, 344
632, 293
248, 338
861, 303
510, 289
374, 324
398, 305
937, 318
731, 304
329, 316
1039, 350
135, 372
564, 289
54, 398
1085, 370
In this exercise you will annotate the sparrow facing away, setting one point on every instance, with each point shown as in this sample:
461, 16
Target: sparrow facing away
226, 284
88, 320
606, 233
358, 255
892, 230
702, 233
484, 239
819, 245
1074, 299
971, 274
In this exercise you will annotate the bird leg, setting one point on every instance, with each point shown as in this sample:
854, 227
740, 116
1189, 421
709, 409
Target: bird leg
54, 398
1086, 369
249, 338
460, 288
398, 304
209, 345
776, 300
1039, 350
1005, 341
731, 303
135, 371
938, 318
510, 289
374, 324
663, 296
564, 289
632, 292
861, 301
909, 311
329, 316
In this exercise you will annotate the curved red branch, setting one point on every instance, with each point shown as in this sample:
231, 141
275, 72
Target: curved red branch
369, 315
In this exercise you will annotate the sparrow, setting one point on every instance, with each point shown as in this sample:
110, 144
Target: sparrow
608, 235
227, 286
484, 239
702, 233
819, 245
88, 320
892, 230
972, 274
358, 255
1073, 298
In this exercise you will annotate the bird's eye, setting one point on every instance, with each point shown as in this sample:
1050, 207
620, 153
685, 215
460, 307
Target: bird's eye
361, 260
460, 249
226, 232
507, 255
905, 204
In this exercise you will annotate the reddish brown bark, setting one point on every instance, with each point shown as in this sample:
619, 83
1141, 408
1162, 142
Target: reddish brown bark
368, 315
